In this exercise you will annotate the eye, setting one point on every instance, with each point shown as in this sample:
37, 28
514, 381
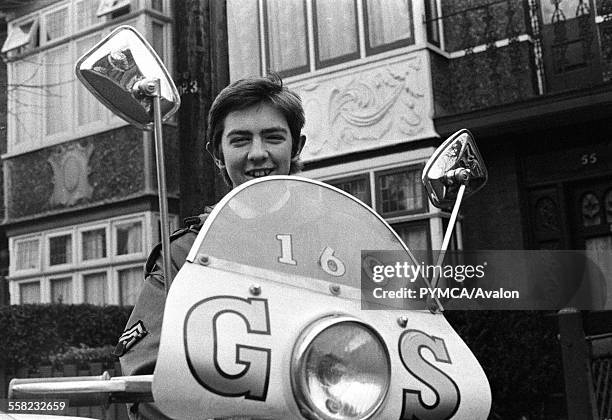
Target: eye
275, 138
239, 141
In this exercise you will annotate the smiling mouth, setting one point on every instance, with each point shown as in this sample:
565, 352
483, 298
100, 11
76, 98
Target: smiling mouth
258, 173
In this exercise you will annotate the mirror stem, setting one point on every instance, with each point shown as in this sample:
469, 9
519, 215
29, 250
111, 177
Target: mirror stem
447, 235
161, 184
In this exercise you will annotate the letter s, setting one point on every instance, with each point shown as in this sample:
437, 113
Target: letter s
446, 391
201, 336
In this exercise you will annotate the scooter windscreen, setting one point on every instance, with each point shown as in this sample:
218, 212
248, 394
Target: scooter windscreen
296, 226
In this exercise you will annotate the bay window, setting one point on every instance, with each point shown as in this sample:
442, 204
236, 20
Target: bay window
302, 36
48, 104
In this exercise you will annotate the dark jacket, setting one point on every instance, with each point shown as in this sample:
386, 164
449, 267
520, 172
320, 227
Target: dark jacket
139, 344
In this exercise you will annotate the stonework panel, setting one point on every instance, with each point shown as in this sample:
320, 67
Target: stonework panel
368, 107
95, 169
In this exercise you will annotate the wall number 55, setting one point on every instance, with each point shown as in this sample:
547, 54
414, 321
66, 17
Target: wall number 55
588, 158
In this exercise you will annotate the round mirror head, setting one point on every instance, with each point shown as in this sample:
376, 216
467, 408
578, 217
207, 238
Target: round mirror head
114, 66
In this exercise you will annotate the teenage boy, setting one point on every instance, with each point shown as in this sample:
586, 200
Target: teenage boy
254, 130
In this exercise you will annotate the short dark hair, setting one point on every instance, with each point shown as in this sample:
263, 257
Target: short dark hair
248, 92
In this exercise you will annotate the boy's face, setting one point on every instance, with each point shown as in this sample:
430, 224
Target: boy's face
256, 142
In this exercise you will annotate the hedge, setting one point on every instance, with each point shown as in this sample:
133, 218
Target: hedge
31, 333
520, 355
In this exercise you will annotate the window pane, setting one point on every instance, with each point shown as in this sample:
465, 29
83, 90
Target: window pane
416, 237
94, 244
286, 28
389, 21
130, 282
61, 290
336, 28
29, 292
158, 39
357, 187
95, 288
400, 192
89, 108
157, 5
25, 94
60, 250
433, 29
129, 238
56, 24
27, 254
86, 14
58, 70
20, 36
243, 38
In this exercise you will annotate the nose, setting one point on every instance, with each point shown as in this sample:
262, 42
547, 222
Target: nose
258, 150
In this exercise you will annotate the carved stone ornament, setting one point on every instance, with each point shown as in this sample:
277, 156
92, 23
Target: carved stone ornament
366, 108
70, 174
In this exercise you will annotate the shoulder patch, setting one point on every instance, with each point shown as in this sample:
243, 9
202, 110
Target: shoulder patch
130, 337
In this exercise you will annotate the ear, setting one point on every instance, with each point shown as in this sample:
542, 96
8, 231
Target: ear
299, 146
211, 151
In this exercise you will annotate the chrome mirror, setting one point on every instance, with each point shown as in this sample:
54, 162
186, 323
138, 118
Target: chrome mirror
455, 163
121, 70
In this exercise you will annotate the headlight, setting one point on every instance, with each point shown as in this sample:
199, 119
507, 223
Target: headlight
340, 370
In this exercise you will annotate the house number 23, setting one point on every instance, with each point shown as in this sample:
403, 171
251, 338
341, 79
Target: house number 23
331, 264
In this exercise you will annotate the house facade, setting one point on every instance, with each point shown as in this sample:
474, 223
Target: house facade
80, 188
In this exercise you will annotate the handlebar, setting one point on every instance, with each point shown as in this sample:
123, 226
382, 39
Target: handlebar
83, 391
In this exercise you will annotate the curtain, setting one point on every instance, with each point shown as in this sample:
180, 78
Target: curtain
130, 282
89, 109
27, 254
25, 96
287, 47
94, 244
243, 38
389, 21
95, 288
58, 89
129, 238
29, 292
61, 290
336, 28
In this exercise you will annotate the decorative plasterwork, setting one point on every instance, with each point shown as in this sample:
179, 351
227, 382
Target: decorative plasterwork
367, 107
70, 174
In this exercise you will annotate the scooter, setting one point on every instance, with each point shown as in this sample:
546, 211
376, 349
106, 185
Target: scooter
273, 314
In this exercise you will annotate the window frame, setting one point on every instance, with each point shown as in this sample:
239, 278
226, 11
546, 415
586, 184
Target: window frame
15, 245
266, 39
321, 64
83, 289
30, 37
89, 228
417, 168
55, 234
29, 281
114, 224
69, 7
425, 223
117, 280
365, 176
406, 42
62, 276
